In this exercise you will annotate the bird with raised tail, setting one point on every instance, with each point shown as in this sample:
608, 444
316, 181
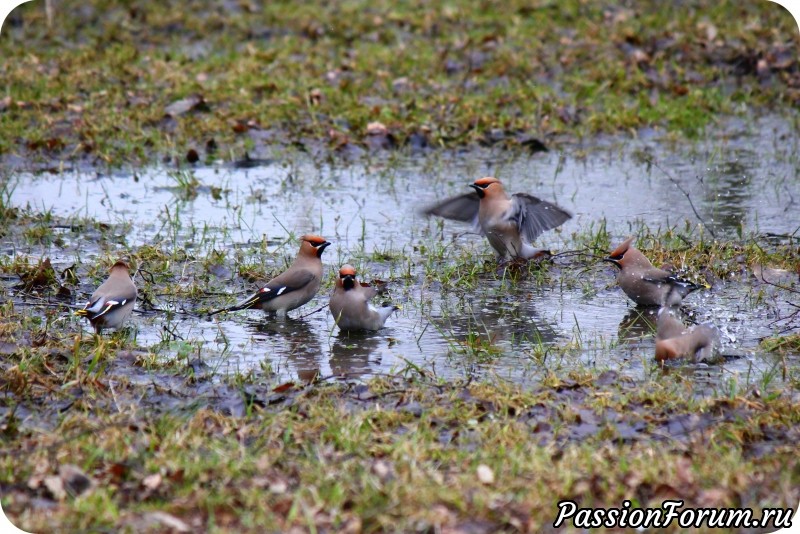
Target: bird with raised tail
644, 284
673, 340
350, 305
295, 286
112, 303
510, 223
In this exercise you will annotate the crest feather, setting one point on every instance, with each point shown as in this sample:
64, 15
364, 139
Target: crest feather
346, 270
313, 239
486, 181
622, 248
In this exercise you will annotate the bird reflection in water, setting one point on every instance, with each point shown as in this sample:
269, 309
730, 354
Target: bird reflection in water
294, 340
500, 323
355, 354
637, 324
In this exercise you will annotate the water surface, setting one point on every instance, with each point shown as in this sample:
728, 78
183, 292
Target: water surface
740, 183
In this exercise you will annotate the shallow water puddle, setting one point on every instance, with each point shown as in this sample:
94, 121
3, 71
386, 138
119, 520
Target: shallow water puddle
745, 182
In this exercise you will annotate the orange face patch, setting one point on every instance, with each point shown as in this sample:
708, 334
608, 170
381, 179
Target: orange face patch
483, 182
313, 239
622, 248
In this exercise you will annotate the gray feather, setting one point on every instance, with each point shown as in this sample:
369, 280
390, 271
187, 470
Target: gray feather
535, 216
461, 208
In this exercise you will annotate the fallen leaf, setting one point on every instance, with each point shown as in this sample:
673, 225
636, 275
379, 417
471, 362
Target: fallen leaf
308, 375
55, 486
41, 275
152, 482
278, 486
76, 482
283, 387
184, 105
315, 97
169, 521
117, 472
485, 474
382, 470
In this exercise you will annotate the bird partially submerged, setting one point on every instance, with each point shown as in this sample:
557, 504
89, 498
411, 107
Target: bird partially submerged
699, 343
644, 284
350, 305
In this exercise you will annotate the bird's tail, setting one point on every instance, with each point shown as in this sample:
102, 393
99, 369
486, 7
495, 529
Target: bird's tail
246, 305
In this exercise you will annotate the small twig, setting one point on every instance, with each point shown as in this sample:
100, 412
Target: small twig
161, 310
172, 332
313, 312
787, 318
773, 284
577, 252
142, 272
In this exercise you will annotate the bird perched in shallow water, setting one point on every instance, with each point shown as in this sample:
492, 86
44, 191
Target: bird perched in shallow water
644, 284
295, 286
350, 306
674, 340
112, 303
510, 223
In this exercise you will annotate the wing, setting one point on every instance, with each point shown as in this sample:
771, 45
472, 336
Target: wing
368, 291
671, 279
97, 308
281, 285
461, 208
535, 216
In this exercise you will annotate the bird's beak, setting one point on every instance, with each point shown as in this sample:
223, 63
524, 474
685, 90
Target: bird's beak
321, 248
610, 260
478, 189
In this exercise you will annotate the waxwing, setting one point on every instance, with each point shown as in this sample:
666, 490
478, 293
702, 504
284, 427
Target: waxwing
674, 340
510, 224
644, 284
350, 306
112, 303
295, 286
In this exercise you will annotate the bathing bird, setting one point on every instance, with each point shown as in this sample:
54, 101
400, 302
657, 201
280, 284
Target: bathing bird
510, 223
644, 284
673, 340
292, 288
112, 303
350, 305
